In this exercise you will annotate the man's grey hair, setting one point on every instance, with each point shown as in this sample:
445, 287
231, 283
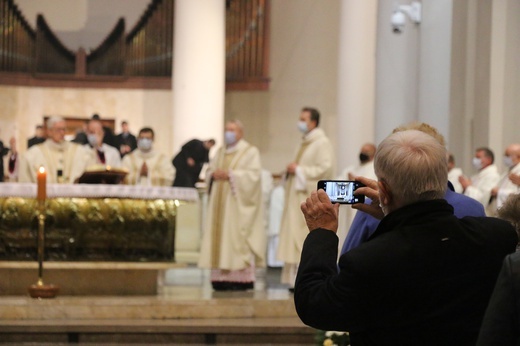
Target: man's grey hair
53, 120
413, 164
239, 124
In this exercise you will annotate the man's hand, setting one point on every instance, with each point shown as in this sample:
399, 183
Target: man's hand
144, 170
319, 212
291, 168
515, 178
371, 191
464, 181
190, 161
220, 174
494, 191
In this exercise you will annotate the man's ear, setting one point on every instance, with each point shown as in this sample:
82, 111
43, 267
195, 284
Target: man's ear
385, 195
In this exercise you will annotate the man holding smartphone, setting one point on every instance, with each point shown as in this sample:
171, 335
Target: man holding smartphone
423, 278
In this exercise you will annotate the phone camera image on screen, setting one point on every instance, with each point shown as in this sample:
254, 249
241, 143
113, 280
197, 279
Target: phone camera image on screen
342, 191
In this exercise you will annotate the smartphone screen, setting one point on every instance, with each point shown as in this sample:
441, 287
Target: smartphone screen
342, 191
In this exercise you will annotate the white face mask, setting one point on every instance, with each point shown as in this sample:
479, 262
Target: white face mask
302, 127
508, 161
92, 139
477, 163
144, 144
230, 137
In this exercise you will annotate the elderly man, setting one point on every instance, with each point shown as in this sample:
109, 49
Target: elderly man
364, 225
506, 186
145, 165
314, 161
480, 185
423, 278
234, 239
64, 161
102, 153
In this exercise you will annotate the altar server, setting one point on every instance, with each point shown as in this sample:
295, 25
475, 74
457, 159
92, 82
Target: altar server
234, 239
145, 165
64, 161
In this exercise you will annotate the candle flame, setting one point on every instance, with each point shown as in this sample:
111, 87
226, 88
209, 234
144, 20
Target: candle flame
41, 170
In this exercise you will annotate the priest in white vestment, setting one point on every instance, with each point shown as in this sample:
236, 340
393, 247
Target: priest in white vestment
146, 166
480, 185
64, 161
506, 186
234, 239
314, 161
102, 154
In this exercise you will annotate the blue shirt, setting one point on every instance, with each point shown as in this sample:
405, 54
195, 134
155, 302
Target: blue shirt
364, 224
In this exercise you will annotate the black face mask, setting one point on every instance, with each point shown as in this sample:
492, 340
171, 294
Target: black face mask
363, 157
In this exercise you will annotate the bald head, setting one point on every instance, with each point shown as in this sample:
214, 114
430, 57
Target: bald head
513, 151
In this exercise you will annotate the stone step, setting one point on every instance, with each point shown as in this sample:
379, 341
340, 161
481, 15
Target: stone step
222, 331
104, 308
242, 318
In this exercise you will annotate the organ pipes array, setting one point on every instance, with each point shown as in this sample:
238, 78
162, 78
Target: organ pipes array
147, 49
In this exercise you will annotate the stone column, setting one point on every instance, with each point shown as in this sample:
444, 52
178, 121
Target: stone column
356, 83
198, 71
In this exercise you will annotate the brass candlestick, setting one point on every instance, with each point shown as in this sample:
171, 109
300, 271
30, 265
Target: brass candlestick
39, 289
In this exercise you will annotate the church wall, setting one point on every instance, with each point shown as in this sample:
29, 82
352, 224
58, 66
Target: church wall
24, 107
303, 70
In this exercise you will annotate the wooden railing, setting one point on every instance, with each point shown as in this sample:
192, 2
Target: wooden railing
145, 53
17, 40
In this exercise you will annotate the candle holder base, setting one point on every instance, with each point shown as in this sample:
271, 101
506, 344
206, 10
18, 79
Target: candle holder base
41, 290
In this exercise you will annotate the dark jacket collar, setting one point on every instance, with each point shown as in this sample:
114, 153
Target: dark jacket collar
414, 213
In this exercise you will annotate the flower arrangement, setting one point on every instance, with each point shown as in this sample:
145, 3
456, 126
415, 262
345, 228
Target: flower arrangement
332, 338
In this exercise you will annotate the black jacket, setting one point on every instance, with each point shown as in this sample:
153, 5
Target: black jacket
501, 325
186, 175
423, 278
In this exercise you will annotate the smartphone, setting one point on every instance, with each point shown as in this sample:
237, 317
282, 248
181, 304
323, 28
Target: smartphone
342, 191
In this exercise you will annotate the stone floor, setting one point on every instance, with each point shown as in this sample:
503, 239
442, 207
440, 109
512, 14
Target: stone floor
185, 312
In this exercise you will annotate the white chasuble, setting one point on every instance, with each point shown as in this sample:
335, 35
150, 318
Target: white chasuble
234, 233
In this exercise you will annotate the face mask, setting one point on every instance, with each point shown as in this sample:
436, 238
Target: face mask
230, 137
508, 161
144, 144
92, 139
477, 163
363, 157
302, 126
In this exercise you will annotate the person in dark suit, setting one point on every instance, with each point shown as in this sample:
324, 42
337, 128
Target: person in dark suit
189, 161
501, 324
39, 137
126, 142
423, 278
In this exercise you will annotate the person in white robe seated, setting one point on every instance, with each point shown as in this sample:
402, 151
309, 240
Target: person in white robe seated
64, 161
102, 154
147, 166
234, 238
